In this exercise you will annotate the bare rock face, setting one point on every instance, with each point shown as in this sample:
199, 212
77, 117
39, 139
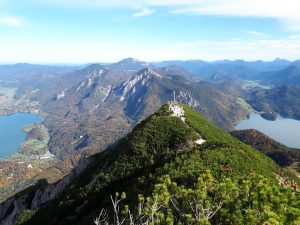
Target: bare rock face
188, 99
34, 198
138, 81
10, 209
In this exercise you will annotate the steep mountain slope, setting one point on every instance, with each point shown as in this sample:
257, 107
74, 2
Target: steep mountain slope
283, 100
160, 145
148, 89
89, 109
73, 112
283, 155
287, 76
103, 96
94, 96
84, 101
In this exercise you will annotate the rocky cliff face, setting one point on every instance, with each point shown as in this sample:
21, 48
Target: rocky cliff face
33, 198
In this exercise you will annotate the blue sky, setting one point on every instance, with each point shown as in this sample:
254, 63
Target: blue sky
78, 31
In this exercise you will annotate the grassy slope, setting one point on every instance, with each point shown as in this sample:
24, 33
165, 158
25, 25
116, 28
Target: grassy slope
222, 149
149, 152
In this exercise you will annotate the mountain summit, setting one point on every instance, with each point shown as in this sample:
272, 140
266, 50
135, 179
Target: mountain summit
130, 64
162, 159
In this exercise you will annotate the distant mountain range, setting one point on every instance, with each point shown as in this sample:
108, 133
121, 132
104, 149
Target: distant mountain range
287, 76
195, 69
226, 69
89, 108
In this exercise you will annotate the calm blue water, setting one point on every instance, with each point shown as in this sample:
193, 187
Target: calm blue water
283, 130
11, 135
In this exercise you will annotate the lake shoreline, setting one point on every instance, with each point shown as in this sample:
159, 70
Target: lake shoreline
11, 131
283, 130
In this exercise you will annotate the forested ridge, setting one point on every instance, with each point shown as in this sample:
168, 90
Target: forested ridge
281, 154
163, 177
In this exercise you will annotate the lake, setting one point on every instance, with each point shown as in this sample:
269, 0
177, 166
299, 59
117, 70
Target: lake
11, 135
283, 130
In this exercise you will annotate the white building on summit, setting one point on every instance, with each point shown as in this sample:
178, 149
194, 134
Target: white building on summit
176, 109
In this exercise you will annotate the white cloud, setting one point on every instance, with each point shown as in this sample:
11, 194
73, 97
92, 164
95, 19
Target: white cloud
248, 49
260, 8
136, 4
257, 46
291, 24
144, 12
83, 52
257, 8
11, 21
255, 33
286, 11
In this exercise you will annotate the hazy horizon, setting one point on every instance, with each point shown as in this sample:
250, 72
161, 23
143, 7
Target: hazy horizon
111, 62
